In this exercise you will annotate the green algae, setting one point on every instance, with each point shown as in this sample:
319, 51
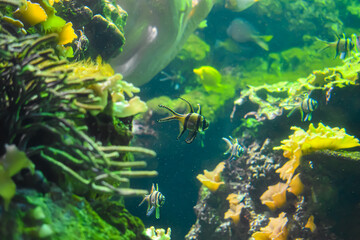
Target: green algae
194, 49
68, 216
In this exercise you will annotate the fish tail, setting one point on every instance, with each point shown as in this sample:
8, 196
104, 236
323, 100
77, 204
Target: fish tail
326, 44
261, 43
266, 38
157, 213
150, 210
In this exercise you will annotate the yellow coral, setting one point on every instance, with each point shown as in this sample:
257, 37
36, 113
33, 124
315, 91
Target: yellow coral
310, 224
31, 13
235, 208
302, 143
275, 196
67, 34
296, 186
275, 230
211, 180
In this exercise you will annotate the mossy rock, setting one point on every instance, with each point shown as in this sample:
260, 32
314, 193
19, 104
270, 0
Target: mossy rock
332, 183
59, 215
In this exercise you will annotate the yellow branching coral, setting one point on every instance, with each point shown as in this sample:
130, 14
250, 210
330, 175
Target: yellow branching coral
275, 230
212, 180
302, 143
275, 196
235, 208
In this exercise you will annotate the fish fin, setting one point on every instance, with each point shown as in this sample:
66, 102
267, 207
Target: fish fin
152, 188
190, 138
157, 213
150, 211
168, 118
142, 201
199, 109
302, 115
327, 45
291, 112
170, 110
323, 48
261, 43
342, 55
228, 144
191, 107
182, 130
308, 117
266, 38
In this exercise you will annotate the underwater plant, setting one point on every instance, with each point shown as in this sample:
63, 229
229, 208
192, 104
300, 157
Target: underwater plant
43, 111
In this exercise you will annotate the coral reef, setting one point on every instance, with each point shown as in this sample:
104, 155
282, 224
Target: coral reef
103, 23
304, 202
46, 104
241, 177
275, 230
273, 99
158, 234
40, 76
302, 143
59, 215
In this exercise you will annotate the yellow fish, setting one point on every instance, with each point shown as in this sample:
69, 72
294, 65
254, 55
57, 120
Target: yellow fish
209, 77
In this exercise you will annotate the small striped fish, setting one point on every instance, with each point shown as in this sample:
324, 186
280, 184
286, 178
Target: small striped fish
343, 46
307, 106
194, 122
155, 200
234, 148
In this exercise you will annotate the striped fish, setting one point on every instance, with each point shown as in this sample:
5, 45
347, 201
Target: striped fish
343, 46
234, 148
194, 122
155, 200
307, 106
